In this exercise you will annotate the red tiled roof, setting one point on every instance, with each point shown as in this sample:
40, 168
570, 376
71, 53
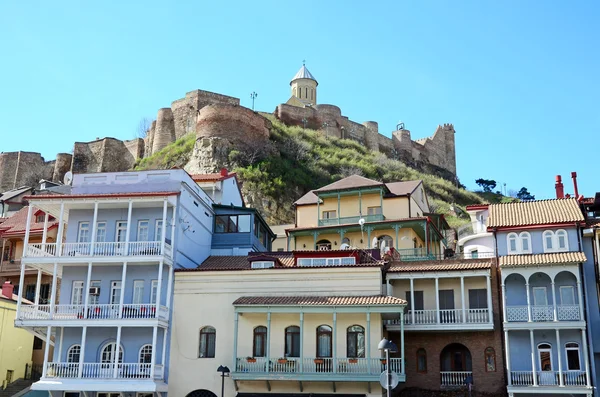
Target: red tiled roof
375, 300
441, 265
558, 258
101, 195
350, 182
17, 224
531, 213
216, 177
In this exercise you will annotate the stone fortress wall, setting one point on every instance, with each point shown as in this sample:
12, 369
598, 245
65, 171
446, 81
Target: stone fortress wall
221, 124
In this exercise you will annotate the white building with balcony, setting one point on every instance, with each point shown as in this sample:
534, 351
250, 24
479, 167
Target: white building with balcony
543, 307
473, 239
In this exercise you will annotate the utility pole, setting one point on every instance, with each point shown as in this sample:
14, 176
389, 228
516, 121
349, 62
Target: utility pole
253, 95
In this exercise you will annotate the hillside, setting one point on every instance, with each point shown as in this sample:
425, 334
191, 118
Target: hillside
298, 160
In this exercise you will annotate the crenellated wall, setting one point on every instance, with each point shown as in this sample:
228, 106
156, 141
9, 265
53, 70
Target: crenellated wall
106, 155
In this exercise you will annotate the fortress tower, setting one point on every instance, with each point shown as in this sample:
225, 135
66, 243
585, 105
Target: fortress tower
304, 88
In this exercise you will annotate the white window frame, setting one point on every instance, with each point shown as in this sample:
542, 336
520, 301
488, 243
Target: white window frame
154, 292
158, 230
329, 213
94, 299
578, 355
83, 227
121, 226
147, 345
111, 360
540, 358
138, 292
115, 285
70, 353
143, 230
560, 292
263, 264
558, 247
523, 236
77, 288
510, 237
101, 237
310, 262
549, 234
535, 303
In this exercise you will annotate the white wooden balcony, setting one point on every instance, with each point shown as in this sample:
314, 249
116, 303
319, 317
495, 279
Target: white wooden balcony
96, 312
543, 313
63, 370
454, 378
548, 378
447, 319
99, 249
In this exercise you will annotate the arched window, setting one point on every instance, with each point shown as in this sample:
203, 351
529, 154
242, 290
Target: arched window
389, 242
323, 245
525, 242
306, 92
259, 344
548, 237
312, 93
490, 360
573, 361
545, 357
108, 353
208, 336
73, 354
324, 341
145, 356
421, 361
201, 393
562, 243
355, 342
512, 244
292, 341
346, 240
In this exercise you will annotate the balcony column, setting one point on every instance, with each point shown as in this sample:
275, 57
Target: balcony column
45, 232
426, 229
122, 297
47, 350
318, 210
236, 320
488, 284
342, 234
580, 300
53, 293
339, 215
368, 342
61, 228
359, 203
412, 300
94, 229
402, 369
462, 297
533, 370
128, 230
369, 230
86, 298
334, 342
554, 309
397, 243
81, 352
173, 213
118, 350
528, 302
60, 344
27, 229
164, 229
164, 348
37, 287
437, 299
153, 357
301, 341
315, 234
559, 352
158, 286
586, 358
508, 374
268, 351
503, 303
169, 287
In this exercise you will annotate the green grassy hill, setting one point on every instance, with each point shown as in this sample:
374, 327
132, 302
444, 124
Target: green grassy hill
298, 160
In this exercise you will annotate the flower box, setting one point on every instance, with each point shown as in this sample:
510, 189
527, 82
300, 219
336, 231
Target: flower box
319, 361
282, 360
353, 360
250, 359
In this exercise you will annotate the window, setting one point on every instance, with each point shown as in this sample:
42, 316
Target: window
346, 240
138, 292
519, 244
490, 360
292, 341
145, 354
208, 337
418, 303
350, 260
37, 343
355, 342
573, 362
323, 341
158, 230
94, 299
109, 352
73, 354
100, 232
512, 243
39, 218
548, 237
555, 241
142, 232
232, 224
387, 240
83, 234
77, 293
545, 357
30, 292
421, 361
446, 299
478, 299
562, 243
154, 292
567, 295
44, 293
262, 264
121, 231
323, 245
540, 298
525, 242
374, 211
474, 254
329, 214
115, 292
259, 342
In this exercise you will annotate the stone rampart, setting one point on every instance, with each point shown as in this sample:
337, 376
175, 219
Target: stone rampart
106, 155
23, 169
232, 122
61, 166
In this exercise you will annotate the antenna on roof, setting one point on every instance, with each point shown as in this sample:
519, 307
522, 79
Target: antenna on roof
68, 179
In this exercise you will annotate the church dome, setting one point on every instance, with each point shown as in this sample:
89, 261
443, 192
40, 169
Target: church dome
303, 73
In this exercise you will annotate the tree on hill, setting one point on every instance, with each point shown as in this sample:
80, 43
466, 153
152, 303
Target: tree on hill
524, 195
486, 184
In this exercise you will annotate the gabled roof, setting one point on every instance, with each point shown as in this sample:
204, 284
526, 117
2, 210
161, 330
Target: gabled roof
308, 198
303, 73
14, 193
350, 182
441, 265
532, 213
403, 188
375, 300
558, 258
16, 225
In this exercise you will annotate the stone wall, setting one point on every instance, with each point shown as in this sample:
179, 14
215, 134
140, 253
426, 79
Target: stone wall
62, 166
23, 169
106, 155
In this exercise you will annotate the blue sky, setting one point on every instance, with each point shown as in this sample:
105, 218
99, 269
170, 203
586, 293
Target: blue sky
519, 80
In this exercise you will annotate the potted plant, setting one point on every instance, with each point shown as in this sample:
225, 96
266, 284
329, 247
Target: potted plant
250, 359
318, 361
282, 360
353, 360
383, 361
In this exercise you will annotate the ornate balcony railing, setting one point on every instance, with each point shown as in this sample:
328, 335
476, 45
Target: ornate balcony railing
351, 219
94, 312
102, 249
350, 366
454, 378
102, 371
447, 317
543, 313
548, 378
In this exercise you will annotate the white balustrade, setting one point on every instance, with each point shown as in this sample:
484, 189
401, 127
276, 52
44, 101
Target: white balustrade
450, 316
575, 378
144, 248
516, 313
455, 378
94, 312
478, 316
569, 312
521, 378
372, 366
103, 370
41, 250
34, 312
548, 378
421, 316
136, 248
542, 313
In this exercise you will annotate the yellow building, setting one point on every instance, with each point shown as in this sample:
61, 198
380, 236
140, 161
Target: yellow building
16, 345
293, 323
356, 212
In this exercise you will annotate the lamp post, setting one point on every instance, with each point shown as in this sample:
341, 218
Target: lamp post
253, 95
388, 346
224, 373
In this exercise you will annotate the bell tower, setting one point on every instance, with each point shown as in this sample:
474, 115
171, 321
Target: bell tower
304, 86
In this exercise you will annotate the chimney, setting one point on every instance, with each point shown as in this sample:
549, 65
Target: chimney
223, 171
560, 191
574, 176
7, 289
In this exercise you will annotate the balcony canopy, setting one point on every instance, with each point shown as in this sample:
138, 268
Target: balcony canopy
319, 304
559, 258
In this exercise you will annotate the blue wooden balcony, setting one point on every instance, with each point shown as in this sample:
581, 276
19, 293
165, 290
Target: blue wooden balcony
351, 219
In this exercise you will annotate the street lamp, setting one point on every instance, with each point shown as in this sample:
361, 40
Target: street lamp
224, 373
388, 346
253, 95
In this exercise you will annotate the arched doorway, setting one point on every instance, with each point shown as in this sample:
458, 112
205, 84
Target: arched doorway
323, 245
455, 365
201, 393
